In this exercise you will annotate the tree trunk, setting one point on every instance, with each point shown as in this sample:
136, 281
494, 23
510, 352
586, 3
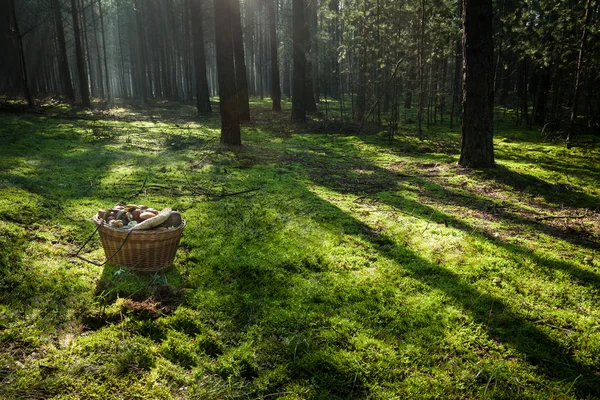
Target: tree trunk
108, 91
63, 63
141, 52
275, 85
539, 116
202, 95
477, 150
421, 57
522, 89
99, 83
87, 55
81, 71
311, 105
17, 32
241, 79
230, 124
299, 61
578, 74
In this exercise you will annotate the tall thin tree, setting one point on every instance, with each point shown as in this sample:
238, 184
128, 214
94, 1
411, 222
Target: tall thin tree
275, 85
108, 91
576, 90
230, 123
63, 63
299, 62
15, 29
202, 95
477, 150
240, 63
81, 70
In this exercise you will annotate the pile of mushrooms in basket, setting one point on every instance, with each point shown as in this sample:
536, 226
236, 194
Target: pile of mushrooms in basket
140, 218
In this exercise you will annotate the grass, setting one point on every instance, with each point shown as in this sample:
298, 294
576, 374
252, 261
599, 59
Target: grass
353, 269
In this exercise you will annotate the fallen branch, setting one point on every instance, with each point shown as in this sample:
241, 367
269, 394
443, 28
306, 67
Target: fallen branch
560, 217
221, 195
141, 189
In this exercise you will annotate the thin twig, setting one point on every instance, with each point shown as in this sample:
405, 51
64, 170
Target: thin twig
141, 189
272, 394
219, 196
560, 217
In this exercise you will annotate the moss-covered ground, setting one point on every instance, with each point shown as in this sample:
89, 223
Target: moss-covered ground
314, 264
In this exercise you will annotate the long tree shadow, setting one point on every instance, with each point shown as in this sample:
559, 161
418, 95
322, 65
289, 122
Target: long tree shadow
253, 292
325, 169
553, 193
487, 309
338, 167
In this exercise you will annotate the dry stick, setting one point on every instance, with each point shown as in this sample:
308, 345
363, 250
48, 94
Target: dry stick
560, 217
197, 191
219, 196
141, 189
428, 222
387, 84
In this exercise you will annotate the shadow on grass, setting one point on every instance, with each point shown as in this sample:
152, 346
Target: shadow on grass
508, 327
503, 325
311, 325
337, 167
283, 317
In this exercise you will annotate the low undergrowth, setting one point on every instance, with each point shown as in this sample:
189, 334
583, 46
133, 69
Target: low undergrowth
313, 265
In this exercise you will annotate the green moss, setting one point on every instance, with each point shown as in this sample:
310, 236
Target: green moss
314, 264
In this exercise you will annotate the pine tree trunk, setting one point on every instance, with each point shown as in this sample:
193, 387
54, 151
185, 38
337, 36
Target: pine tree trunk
578, 75
539, 116
275, 85
87, 56
63, 63
141, 52
421, 57
17, 32
99, 83
202, 95
230, 125
311, 105
81, 71
240, 62
106, 75
299, 61
477, 150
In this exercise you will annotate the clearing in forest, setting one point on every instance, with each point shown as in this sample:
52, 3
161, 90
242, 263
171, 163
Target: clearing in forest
316, 263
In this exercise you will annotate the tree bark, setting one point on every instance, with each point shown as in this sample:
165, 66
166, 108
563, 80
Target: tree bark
275, 85
477, 150
106, 75
421, 70
299, 61
241, 79
578, 74
141, 52
81, 71
85, 43
17, 32
310, 103
230, 124
202, 95
63, 63
100, 84
539, 116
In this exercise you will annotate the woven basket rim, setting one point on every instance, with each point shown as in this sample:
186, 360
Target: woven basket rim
100, 222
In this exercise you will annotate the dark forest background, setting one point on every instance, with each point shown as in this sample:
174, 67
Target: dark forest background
378, 57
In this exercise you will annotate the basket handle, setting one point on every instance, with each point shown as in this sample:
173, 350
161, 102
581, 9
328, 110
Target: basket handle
90, 238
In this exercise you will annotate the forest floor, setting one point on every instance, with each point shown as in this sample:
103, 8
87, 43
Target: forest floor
314, 265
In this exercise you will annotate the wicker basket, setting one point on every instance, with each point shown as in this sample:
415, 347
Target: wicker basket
142, 251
